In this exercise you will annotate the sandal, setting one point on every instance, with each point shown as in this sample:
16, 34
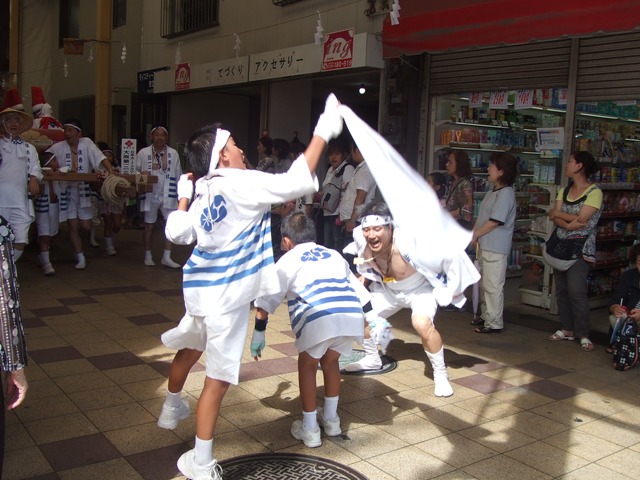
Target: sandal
609, 350
586, 344
560, 335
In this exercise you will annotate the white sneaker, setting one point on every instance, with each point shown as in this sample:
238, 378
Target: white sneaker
110, 251
82, 264
48, 270
167, 262
170, 416
443, 387
331, 427
368, 362
93, 243
190, 469
149, 262
310, 438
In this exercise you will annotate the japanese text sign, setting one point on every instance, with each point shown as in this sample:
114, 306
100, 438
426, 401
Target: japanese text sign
498, 100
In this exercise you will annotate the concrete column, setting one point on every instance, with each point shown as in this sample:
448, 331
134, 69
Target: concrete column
103, 71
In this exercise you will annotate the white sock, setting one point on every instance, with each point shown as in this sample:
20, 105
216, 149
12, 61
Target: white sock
147, 255
173, 399
330, 410
44, 258
108, 241
17, 254
167, 254
309, 420
204, 451
80, 256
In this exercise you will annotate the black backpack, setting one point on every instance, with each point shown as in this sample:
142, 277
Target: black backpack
625, 345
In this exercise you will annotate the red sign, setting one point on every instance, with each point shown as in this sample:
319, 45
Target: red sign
183, 76
338, 50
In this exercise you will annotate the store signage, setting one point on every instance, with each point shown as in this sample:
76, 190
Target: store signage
498, 100
625, 103
338, 50
128, 156
523, 99
550, 138
183, 76
224, 72
475, 100
146, 79
300, 60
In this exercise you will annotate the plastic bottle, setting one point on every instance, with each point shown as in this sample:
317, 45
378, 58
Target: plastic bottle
454, 113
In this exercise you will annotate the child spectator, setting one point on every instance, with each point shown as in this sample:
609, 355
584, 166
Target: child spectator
326, 317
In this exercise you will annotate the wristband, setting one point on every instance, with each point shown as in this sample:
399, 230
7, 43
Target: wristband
261, 325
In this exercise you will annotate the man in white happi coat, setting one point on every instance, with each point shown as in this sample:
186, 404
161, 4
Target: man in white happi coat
420, 264
161, 160
19, 175
78, 154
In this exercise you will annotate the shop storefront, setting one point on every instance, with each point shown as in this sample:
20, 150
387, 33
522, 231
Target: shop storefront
539, 99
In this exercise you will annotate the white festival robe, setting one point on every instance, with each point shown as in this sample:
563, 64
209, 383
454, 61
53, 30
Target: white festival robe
324, 298
431, 239
230, 219
167, 187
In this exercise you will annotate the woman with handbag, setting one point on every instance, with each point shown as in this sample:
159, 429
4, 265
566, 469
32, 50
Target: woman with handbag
575, 214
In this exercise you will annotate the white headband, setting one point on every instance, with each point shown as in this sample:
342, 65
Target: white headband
374, 221
160, 128
72, 125
222, 137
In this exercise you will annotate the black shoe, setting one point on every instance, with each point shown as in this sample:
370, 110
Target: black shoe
477, 321
488, 330
452, 308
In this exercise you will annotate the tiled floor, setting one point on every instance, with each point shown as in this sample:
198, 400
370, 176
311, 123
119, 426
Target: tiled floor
523, 408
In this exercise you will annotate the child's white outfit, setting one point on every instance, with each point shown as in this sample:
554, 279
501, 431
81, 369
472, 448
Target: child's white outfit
324, 299
232, 263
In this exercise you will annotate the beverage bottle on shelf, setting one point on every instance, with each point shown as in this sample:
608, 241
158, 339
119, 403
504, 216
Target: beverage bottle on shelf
454, 113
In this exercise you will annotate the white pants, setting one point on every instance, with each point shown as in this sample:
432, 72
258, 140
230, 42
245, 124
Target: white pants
221, 337
414, 292
494, 272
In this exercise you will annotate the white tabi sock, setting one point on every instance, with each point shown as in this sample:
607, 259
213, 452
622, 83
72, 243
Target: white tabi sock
147, 255
173, 399
44, 258
167, 254
204, 451
80, 256
310, 420
108, 241
330, 410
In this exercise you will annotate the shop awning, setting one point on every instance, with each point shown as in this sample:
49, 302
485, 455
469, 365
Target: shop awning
430, 26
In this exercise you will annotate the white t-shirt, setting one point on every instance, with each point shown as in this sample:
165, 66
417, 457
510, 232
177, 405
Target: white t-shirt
347, 175
361, 180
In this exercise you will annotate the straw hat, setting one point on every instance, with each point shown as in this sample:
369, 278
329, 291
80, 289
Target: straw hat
13, 104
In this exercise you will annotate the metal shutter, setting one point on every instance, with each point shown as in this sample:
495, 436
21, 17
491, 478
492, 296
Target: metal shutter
609, 68
534, 65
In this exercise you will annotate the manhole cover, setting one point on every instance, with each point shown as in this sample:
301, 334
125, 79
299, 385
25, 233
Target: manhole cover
290, 466
388, 363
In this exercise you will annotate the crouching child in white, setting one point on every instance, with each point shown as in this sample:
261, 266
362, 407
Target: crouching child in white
325, 307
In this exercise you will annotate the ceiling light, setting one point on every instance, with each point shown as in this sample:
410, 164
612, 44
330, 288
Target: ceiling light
362, 90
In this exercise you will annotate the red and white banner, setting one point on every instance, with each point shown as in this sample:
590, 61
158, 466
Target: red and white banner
183, 76
338, 50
